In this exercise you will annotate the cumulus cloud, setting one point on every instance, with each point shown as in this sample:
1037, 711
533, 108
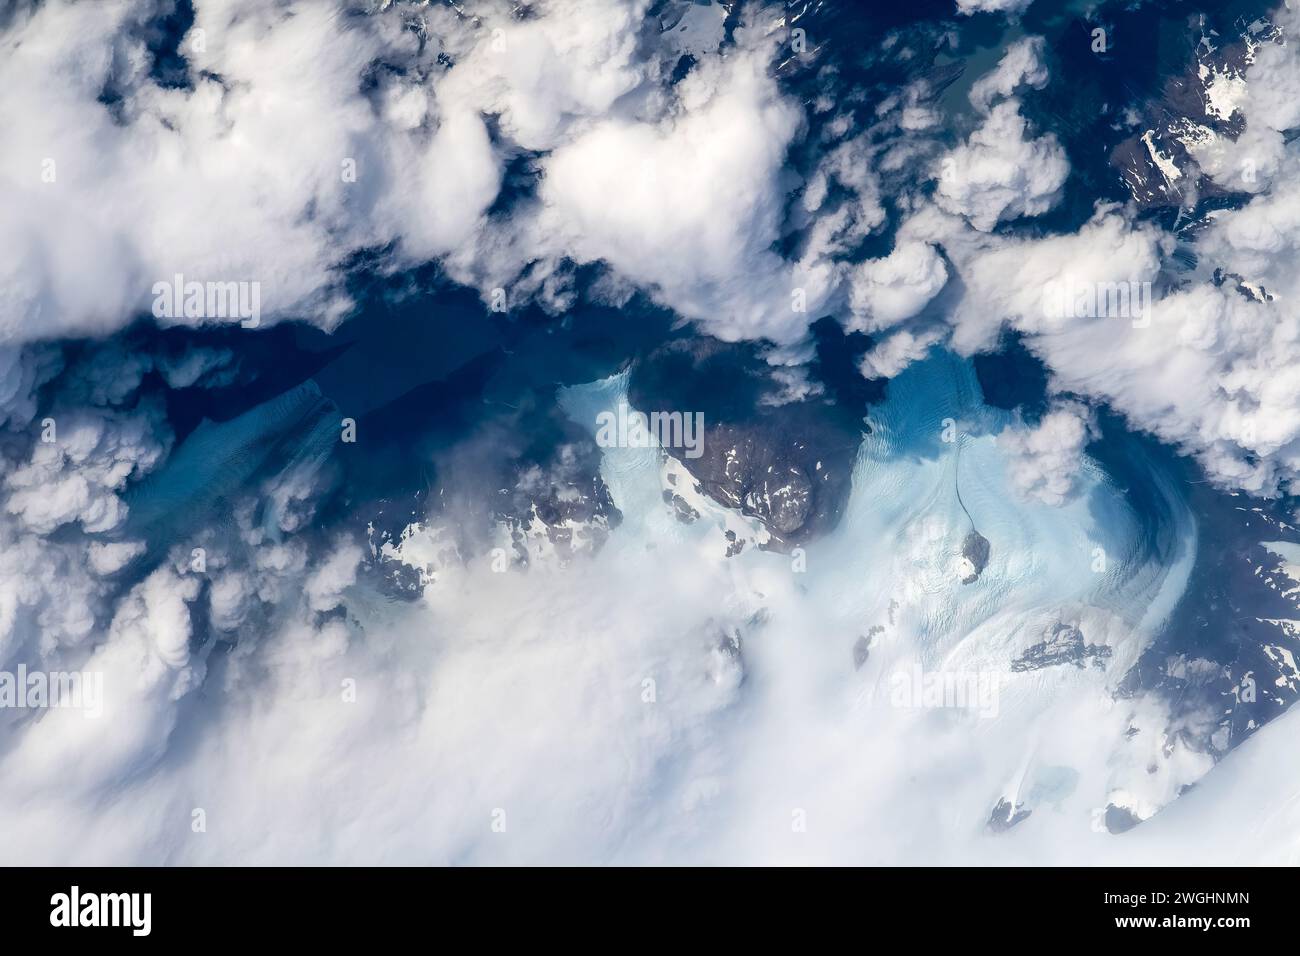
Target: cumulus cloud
690, 206
1001, 172
145, 667
335, 574
1045, 460
105, 200
109, 557
677, 188
48, 598
77, 474
896, 351
77, 594
22, 371
1021, 65
886, 291
1009, 7
1012, 280
67, 458
849, 167
1207, 367
565, 67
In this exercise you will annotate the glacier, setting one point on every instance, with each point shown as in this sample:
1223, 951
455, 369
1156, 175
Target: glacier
884, 592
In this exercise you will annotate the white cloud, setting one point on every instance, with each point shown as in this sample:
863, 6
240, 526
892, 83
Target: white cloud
681, 191
689, 207
109, 557
77, 476
1045, 460
1000, 173
1208, 369
205, 182
146, 668
1010, 280
1021, 65
22, 371
886, 291
563, 67
896, 351
337, 573
1009, 7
